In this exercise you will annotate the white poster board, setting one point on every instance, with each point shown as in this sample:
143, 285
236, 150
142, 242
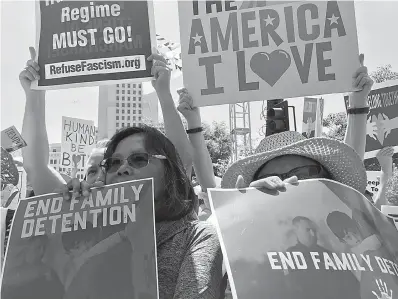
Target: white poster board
236, 52
78, 140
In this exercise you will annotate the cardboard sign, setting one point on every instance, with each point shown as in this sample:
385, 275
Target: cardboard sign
309, 117
382, 125
101, 246
11, 139
88, 43
391, 211
78, 140
233, 52
294, 245
373, 182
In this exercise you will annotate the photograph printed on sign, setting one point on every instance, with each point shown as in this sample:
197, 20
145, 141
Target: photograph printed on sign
382, 124
99, 246
90, 43
319, 239
238, 52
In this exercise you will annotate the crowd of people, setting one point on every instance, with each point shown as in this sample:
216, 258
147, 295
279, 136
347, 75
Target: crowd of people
189, 258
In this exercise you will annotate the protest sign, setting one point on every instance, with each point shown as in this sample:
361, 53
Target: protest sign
318, 237
100, 246
11, 140
309, 117
391, 211
78, 140
373, 182
382, 124
233, 52
87, 43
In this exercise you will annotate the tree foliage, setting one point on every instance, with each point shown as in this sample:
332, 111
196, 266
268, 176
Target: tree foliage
384, 73
336, 124
392, 189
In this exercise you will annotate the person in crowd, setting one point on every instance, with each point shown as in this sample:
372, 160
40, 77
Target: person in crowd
384, 156
288, 156
362, 239
316, 282
189, 254
44, 178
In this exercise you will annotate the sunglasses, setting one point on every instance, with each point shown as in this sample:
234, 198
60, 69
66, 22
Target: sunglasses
136, 160
302, 173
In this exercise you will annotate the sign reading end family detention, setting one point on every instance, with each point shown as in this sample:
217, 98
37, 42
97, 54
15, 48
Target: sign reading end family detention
88, 43
237, 51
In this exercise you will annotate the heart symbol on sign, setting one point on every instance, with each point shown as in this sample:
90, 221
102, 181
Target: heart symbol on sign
270, 67
76, 159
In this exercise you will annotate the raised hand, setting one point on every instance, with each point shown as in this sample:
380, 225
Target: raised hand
187, 108
30, 73
161, 73
371, 129
270, 183
363, 83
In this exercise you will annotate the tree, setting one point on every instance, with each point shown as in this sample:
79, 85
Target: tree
384, 73
336, 125
392, 189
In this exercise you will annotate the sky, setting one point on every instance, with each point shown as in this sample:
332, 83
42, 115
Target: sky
376, 23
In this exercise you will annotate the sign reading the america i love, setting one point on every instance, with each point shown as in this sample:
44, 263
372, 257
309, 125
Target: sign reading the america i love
237, 51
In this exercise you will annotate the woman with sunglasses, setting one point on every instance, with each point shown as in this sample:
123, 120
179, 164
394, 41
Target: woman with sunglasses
189, 257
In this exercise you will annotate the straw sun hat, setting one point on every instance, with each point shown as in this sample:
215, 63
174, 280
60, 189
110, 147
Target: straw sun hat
342, 162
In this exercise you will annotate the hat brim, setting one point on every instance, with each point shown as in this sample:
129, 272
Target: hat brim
342, 162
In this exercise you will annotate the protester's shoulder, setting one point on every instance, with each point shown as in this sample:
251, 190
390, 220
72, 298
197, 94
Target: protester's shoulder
202, 231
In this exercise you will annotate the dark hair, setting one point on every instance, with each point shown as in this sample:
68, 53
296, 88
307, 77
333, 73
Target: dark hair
298, 219
180, 198
341, 224
72, 238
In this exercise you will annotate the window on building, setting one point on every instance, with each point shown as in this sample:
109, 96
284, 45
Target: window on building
128, 99
134, 105
134, 98
117, 104
123, 117
54, 150
117, 91
117, 110
139, 105
117, 125
123, 111
117, 85
133, 118
117, 117
122, 104
139, 118
133, 111
139, 92
139, 111
117, 98
128, 111
128, 117
133, 91
128, 124
133, 85
122, 125
123, 85
128, 105
128, 91
123, 91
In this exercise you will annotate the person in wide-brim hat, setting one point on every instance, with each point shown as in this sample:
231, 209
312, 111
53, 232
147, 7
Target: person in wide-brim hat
316, 158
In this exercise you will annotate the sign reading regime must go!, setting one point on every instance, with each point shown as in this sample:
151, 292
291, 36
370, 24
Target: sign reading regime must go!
234, 52
86, 43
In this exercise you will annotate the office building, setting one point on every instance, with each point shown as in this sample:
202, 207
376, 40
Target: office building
122, 105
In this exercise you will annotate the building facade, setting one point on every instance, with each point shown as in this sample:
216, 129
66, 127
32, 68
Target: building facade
122, 105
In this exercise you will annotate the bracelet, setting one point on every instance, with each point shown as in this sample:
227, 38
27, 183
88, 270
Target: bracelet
363, 110
195, 130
